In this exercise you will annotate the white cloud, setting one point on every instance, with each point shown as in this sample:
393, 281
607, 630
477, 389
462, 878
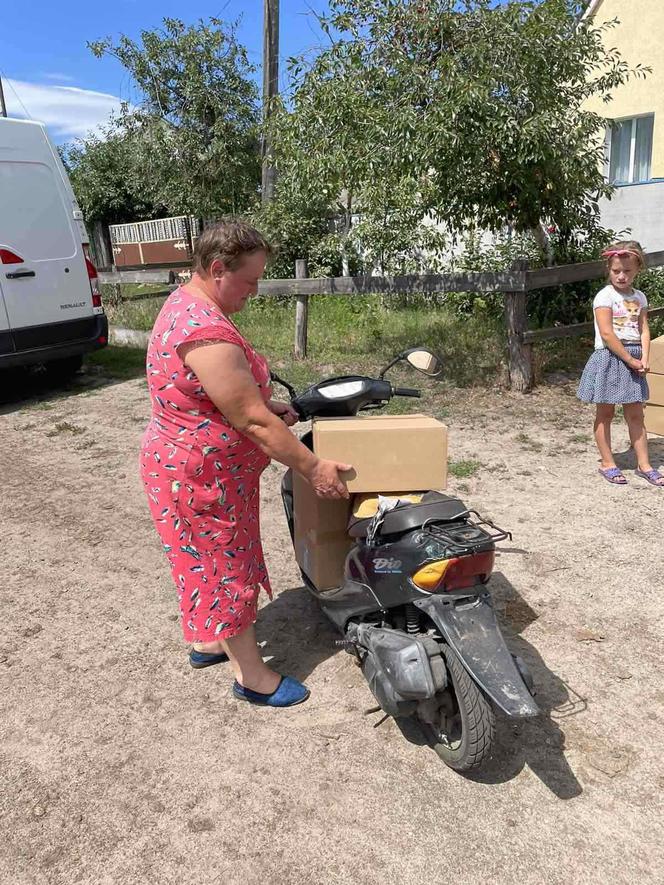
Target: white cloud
61, 78
67, 111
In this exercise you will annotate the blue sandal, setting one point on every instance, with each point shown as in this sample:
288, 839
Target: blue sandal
288, 693
614, 475
201, 659
654, 477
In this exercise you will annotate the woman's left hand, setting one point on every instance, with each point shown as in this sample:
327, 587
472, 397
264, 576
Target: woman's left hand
282, 410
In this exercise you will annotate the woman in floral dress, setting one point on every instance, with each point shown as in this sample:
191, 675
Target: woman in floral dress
214, 429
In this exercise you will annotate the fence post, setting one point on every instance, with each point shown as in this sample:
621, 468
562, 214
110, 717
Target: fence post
301, 312
520, 354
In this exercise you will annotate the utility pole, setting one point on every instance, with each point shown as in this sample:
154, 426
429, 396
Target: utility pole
270, 90
3, 106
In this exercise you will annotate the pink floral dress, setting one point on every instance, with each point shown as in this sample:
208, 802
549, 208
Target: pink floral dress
202, 476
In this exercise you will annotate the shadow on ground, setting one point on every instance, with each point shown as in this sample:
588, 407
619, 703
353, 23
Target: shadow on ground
627, 460
35, 387
296, 634
538, 743
298, 638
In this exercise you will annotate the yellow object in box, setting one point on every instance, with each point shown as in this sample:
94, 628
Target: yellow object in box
389, 453
320, 535
366, 506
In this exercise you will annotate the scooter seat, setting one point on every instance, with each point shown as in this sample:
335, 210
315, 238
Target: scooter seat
405, 517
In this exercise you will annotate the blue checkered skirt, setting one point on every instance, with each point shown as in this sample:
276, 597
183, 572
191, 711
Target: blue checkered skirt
607, 379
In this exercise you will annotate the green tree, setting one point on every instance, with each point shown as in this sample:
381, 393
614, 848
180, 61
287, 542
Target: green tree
467, 113
195, 123
104, 174
106, 179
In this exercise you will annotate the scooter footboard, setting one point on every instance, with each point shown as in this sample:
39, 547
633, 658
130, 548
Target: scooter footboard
471, 629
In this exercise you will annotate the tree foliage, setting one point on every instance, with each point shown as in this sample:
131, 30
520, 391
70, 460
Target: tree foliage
106, 178
468, 113
194, 125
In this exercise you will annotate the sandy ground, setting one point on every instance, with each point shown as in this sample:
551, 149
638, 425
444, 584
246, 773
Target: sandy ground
119, 764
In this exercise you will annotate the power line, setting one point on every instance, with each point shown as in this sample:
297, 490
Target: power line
17, 96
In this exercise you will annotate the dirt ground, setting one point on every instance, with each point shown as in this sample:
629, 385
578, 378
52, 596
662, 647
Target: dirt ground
120, 764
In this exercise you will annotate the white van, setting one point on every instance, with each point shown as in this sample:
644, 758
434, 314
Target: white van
50, 304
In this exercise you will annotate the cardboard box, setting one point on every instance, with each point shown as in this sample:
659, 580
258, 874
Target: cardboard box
655, 419
321, 535
657, 355
654, 414
656, 386
389, 453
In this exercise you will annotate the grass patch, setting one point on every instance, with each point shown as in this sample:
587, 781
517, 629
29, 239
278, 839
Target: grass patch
528, 443
360, 334
355, 334
130, 291
117, 362
66, 427
463, 469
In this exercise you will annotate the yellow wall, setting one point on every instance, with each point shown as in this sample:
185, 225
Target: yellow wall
640, 39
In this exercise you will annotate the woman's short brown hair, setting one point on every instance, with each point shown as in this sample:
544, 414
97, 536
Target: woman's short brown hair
228, 241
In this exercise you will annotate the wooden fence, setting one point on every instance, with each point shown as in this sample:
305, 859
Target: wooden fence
514, 285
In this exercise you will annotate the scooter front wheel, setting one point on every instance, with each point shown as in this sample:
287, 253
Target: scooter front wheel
464, 733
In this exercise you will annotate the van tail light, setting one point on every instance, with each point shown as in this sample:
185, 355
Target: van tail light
93, 277
455, 574
9, 257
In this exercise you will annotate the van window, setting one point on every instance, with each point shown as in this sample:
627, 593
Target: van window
34, 221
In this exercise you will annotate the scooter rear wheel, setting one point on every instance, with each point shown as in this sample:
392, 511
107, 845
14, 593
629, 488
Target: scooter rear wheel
464, 738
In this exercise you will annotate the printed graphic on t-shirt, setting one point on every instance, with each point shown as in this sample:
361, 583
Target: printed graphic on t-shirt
626, 317
625, 313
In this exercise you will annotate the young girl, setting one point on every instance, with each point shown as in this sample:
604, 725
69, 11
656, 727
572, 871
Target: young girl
616, 372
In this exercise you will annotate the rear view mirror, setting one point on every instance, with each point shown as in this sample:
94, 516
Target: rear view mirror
424, 361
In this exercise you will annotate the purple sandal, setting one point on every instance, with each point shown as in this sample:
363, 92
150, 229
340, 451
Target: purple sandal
654, 477
613, 475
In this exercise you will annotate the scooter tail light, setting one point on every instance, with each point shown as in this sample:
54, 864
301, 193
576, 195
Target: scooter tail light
455, 574
430, 576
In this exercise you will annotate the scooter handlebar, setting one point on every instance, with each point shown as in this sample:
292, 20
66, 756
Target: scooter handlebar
405, 391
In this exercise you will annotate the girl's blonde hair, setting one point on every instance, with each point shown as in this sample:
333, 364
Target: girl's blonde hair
631, 246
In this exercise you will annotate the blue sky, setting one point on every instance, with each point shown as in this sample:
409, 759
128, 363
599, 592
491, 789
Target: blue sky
49, 73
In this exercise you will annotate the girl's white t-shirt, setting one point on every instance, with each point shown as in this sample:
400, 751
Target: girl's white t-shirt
626, 310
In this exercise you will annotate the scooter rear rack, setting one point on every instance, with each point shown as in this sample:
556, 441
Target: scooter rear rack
471, 535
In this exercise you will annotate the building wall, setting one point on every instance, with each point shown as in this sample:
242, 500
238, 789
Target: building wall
640, 39
639, 207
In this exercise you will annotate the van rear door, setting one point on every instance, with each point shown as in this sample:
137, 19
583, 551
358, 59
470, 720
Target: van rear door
6, 344
43, 274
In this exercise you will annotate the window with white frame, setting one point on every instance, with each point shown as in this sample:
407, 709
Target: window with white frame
630, 150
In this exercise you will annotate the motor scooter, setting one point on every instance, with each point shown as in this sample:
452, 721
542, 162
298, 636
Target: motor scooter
423, 630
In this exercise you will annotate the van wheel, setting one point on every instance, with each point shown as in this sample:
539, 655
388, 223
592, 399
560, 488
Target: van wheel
61, 370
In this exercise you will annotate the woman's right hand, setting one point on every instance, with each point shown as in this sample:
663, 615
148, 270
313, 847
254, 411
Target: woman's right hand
637, 366
325, 480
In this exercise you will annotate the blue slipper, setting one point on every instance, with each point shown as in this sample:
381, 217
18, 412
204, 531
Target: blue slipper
654, 477
288, 693
200, 659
